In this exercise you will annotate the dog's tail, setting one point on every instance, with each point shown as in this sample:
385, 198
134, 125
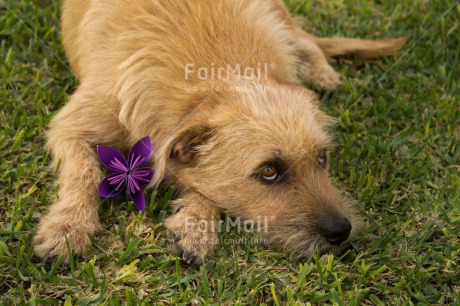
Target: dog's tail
363, 48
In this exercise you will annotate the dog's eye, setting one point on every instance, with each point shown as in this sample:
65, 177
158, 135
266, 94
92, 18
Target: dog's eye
322, 158
269, 172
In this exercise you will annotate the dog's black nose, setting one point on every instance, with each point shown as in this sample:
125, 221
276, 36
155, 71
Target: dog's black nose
336, 229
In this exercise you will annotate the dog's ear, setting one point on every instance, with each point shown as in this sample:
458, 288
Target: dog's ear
181, 146
185, 146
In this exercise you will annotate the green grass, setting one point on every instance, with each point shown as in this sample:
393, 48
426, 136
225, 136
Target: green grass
397, 155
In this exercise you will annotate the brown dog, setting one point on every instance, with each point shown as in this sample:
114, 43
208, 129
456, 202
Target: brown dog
214, 83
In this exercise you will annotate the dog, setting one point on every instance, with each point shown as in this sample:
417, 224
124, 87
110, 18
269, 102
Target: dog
215, 84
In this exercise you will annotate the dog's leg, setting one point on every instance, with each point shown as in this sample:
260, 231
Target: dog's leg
314, 66
72, 136
194, 227
314, 52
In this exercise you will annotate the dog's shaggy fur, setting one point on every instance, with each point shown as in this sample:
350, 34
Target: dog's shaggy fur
213, 142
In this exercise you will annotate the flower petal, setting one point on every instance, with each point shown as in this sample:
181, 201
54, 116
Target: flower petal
143, 175
138, 198
131, 184
112, 159
140, 153
107, 189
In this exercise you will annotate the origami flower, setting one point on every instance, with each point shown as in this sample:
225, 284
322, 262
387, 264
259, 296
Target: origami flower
126, 175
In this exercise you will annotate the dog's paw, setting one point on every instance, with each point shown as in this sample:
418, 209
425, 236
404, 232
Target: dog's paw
52, 238
178, 250
323, 77
327, 80
190, 244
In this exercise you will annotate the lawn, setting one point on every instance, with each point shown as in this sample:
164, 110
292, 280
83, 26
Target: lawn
397, 154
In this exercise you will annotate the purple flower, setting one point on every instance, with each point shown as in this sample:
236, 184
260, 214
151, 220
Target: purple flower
126, 175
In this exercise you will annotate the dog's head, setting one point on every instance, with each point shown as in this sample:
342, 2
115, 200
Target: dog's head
262, 154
